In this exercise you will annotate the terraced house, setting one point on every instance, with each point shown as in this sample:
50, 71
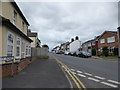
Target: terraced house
13, 33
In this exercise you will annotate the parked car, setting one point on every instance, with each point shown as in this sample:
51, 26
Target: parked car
66, 52
83, 54
72, 53
60, 52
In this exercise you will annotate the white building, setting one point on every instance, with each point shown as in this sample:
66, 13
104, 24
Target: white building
75, 44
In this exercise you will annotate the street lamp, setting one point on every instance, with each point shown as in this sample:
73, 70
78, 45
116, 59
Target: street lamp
119, 40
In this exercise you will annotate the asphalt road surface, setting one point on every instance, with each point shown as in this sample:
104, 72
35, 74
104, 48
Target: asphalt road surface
94, 73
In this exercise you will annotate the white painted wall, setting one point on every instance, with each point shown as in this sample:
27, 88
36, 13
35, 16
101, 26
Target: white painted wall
75, 45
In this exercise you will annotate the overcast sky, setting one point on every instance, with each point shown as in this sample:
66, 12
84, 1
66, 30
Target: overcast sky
57, 23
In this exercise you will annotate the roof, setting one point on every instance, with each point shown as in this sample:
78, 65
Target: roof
32, 34
115, 32
92, 40
19, 11
6, 22
88, 41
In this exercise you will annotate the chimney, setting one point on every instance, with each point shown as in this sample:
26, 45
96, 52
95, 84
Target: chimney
76, 38
72, 39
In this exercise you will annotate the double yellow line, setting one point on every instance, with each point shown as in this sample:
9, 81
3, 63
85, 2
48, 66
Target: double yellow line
78, 83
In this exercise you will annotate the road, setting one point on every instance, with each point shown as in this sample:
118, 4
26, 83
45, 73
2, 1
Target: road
94, 73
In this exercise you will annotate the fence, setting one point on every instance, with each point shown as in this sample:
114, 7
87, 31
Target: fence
39, 52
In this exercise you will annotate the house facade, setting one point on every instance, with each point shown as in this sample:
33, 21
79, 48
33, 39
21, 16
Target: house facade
90, 44
13, 32
75, 44
34, 37
108, 39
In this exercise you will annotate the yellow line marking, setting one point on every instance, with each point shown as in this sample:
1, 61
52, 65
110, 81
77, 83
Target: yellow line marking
75, 77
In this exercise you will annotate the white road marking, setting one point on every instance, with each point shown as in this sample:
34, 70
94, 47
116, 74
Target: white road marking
79, 71
99, 77
72, 69
93, 79
112, 81
73, 72
81, 75
108, 84
88, 74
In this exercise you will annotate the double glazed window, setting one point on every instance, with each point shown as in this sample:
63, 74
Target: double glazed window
14, 17
10, 44
17, 47
102, 41
23, 49
111, 39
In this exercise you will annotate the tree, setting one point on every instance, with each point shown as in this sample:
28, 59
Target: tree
93, 51
105, 51
45, 45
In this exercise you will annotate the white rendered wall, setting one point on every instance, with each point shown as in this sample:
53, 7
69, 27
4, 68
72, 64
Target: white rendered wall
75, 45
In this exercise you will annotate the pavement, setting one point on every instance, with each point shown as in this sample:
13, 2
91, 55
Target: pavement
40, 74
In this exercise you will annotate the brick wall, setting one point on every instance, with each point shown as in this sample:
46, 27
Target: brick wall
105, 36
6, 69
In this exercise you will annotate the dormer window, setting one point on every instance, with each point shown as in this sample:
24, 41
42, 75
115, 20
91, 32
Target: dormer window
14, 17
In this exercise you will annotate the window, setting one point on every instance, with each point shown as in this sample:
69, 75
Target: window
111, 39
23, 26
14, 17
29, 50
102, 40
10, 43
93, 43
23, 49
89, 44
26, 49
17, 47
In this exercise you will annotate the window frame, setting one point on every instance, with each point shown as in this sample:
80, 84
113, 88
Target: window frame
10, 44
110, 38
102, 40
18, 46
23, 49
14, 17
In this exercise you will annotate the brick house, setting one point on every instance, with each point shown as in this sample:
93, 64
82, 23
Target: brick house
109, 39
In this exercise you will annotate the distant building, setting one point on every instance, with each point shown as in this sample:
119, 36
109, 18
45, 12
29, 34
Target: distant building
108, 39
34, 36
74, 44
90, 44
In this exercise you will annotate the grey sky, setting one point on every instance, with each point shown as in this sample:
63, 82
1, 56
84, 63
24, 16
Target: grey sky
58, 22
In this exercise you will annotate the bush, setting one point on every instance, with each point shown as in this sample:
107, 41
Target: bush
105, 51
93, 51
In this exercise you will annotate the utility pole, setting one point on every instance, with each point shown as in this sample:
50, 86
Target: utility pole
119, 40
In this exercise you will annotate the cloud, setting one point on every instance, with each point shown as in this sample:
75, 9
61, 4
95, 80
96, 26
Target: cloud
58, 22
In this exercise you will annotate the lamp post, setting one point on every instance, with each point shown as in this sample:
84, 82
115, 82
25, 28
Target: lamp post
119, 40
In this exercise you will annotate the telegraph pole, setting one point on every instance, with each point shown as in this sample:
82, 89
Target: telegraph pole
119, 40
